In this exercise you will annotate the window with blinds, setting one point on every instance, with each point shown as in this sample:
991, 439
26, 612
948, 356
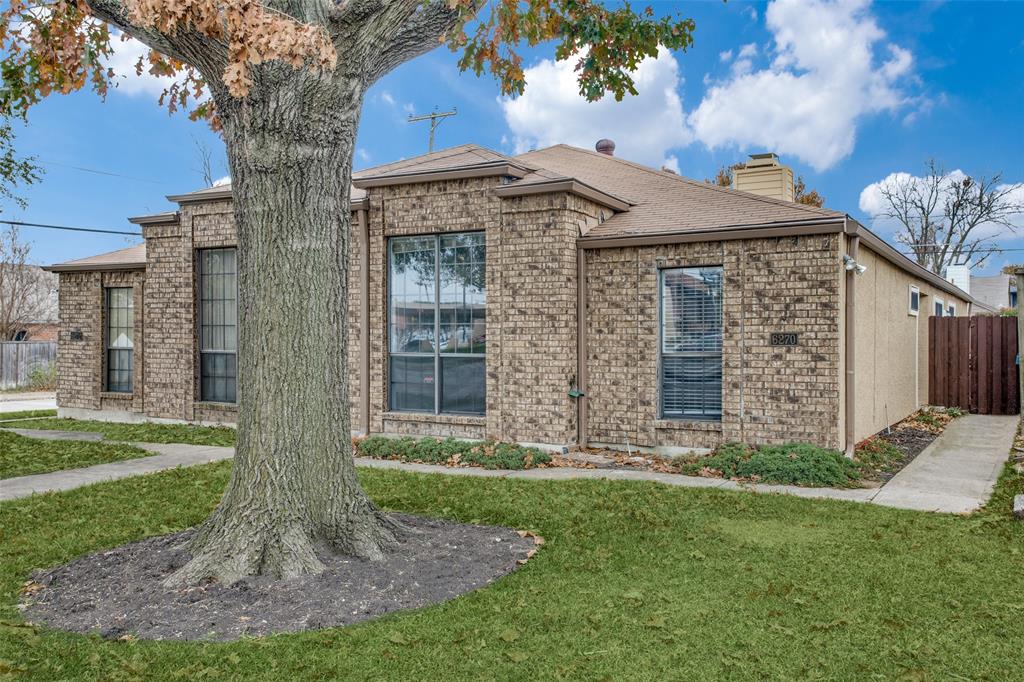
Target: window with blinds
691, 343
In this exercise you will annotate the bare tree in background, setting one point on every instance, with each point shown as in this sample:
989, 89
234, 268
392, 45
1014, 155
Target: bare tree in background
25, 289
204, 155
940, 215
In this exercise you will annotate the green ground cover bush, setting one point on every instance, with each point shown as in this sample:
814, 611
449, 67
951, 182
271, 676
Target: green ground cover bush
789, 464
453, 452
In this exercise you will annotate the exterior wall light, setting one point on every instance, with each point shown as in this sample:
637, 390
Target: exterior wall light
850, 264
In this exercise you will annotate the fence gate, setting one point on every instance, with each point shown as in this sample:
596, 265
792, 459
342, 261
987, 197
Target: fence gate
972, 364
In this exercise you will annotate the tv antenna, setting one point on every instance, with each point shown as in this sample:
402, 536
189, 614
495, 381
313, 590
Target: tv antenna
435, 119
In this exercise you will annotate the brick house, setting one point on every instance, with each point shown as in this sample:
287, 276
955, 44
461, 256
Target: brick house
555, 297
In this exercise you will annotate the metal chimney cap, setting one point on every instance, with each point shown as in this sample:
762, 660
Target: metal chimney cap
766, 159
605, 146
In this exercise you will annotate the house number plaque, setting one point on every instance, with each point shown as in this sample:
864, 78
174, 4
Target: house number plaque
784, 339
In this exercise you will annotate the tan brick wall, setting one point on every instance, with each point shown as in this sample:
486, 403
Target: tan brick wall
531, 305
81, 365
770, 394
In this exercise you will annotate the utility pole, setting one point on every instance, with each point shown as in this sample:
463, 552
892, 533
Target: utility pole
435, 120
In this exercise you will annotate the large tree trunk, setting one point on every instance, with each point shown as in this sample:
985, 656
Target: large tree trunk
293, 492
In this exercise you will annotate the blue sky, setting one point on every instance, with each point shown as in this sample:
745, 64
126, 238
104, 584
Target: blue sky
846, 93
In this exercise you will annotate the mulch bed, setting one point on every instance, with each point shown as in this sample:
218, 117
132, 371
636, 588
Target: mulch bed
119, 593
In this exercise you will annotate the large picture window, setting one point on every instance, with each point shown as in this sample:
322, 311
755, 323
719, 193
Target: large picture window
218, 325
437, 323
120, 339
691, 343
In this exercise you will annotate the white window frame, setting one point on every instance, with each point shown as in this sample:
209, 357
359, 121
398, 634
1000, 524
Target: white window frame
941, 305
951, 310
911, 310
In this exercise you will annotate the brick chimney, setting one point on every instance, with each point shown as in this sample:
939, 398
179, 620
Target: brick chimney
764, 175
605, 146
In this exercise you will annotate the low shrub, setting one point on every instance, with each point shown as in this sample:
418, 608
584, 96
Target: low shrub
789, 464
43, 377
452, 452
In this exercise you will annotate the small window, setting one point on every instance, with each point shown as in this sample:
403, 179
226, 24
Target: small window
939, 307
21, 335
120, 339
951, 310
1013, 298
915, 300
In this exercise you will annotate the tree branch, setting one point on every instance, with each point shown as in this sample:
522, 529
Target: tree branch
206, 54
405, 31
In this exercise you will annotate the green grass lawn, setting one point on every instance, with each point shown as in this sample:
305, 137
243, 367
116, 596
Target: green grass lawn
140, 433
21, 456
26, 414
636, 581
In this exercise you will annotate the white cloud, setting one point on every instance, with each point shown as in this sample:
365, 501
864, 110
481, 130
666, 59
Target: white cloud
126, 55
363, 154
750, 12
747, 51
725, 56
220, 182
643, 127
671, 163
824, 78
387, 98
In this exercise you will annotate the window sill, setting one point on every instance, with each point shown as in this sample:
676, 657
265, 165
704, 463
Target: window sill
688, 425
212, 405
459, 419
116, 395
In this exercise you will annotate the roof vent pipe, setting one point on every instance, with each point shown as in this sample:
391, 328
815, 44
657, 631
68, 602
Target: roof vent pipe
605, 146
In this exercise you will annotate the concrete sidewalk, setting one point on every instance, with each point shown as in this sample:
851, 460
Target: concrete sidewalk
955, 474
958, 471
169, 456
27, 400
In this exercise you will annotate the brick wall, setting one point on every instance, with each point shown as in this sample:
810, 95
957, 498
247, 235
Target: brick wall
770, 394
81, 364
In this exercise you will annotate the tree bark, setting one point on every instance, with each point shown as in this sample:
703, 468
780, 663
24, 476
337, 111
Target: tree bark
293, 493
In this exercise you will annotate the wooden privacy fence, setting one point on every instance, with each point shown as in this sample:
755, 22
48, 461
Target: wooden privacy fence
972, 364
19, 358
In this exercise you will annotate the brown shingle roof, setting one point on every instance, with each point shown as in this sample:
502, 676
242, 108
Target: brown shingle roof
664, 202
132, 258
443, 159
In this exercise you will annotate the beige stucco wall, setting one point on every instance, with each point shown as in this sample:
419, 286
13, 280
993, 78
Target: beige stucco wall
891, 351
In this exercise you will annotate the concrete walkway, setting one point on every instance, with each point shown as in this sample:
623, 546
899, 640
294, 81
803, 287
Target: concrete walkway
169, 456
958, 471
954, 474
27, 400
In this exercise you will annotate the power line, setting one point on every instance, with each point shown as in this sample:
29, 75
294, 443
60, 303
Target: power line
17, 223
95, 171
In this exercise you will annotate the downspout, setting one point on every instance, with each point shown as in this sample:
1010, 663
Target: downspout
581, 347
364, 317
852, 250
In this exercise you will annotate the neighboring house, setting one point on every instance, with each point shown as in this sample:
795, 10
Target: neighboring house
998, 292
30, 307
554, 297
